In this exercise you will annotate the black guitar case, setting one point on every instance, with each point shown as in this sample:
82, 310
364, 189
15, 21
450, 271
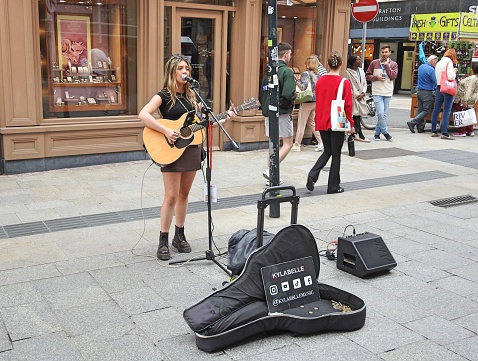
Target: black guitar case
239, 310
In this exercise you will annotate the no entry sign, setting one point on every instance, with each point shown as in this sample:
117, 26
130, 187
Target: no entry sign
365, 10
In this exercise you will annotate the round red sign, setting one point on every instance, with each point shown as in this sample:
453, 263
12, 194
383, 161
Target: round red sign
365, 10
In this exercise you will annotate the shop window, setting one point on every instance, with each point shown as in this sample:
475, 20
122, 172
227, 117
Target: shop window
207, 2
296, 25
369, 51
88, 58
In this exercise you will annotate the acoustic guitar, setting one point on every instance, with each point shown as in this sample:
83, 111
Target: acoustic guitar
191, 132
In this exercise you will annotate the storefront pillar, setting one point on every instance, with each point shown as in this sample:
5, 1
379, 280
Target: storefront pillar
333, 28
20, 88
151, 59
248, 127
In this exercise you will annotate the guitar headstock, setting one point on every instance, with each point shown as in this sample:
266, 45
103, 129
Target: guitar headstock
251, 103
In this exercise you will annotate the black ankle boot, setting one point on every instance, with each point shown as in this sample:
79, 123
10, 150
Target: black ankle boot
163, 248
179, 241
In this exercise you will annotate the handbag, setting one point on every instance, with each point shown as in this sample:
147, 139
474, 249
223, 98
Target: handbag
338, 118
447, 86
305, 95
464, 117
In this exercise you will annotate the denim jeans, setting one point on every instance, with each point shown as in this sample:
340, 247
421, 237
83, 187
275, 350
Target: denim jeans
447, 101
381, 107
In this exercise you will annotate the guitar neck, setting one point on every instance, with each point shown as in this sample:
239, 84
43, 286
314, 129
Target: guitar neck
223, 115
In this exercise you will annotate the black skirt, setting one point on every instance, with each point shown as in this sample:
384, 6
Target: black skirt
190, 160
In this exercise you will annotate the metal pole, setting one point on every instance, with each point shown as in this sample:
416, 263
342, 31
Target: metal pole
274, 210
364, 40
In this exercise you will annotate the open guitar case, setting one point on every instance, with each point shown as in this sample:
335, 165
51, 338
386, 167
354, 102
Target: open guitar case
239, 310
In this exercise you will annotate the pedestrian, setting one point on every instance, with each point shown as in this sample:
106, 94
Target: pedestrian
356, 77
287, 96
306, 118
382, 73
326, 90
427, 83
175, 99
446, 64
467, 96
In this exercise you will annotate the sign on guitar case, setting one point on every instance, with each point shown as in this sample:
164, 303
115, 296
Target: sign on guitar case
290, 284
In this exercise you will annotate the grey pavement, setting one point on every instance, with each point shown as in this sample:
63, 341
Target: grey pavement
79, 281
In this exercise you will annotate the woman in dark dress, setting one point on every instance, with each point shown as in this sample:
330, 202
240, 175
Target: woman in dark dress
175, 99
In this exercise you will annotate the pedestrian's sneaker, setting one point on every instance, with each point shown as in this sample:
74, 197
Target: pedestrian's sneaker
435, 134
265, 174
319, 148
296, 148
388, 137
376, 137
472, 134
459, 134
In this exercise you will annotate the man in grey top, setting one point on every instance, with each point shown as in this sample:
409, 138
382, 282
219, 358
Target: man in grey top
427, 83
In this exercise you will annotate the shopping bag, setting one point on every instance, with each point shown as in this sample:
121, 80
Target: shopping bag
305, 95
464, 117
338, 118
447, 86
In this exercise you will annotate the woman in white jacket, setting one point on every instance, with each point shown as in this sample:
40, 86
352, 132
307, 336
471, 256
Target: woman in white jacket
445, 64
356, 76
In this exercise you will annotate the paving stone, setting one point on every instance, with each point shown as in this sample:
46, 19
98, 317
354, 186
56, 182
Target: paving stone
421, 271
19, 294
5, 344
116, 279
88, 263
439, 330
19, 275
77, 297
456, 285
439, 259
184, 347
78, 320
162, 324
29, 320
65, 283
470, 322
49, 347
333, 346
118, 344
469, 271
425, 350
444, 303
262, 344
141, 300
468, 348
381, 334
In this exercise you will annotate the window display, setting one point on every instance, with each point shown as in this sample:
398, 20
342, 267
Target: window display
84, 62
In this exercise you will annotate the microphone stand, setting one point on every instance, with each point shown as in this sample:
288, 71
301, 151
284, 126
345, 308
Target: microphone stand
207, 111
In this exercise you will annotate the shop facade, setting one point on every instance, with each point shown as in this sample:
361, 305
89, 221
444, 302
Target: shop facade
74, 74
392, 26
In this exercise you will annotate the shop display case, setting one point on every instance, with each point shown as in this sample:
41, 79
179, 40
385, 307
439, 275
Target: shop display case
84, 69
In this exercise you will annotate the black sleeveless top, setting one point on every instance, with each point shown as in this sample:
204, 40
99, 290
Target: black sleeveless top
181, 106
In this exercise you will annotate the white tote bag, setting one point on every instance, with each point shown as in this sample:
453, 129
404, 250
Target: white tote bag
338, 118
464, 117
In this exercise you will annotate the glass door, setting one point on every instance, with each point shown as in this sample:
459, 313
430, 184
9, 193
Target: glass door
199, 34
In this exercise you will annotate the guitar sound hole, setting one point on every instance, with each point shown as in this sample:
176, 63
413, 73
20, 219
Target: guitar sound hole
186, 132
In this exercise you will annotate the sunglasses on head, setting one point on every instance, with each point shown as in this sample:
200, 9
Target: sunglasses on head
179, 57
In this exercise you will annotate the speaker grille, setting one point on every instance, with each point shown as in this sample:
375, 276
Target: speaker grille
380, 255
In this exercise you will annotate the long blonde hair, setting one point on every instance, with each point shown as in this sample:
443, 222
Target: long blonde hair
170, 82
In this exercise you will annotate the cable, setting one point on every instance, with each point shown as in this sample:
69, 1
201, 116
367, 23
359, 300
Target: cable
132, 250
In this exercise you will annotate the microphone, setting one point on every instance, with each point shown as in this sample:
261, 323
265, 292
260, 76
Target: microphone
188, 79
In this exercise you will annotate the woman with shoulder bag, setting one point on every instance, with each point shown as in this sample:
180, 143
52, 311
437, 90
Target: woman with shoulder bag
306, 117
356, 76
327, 90
446, 64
